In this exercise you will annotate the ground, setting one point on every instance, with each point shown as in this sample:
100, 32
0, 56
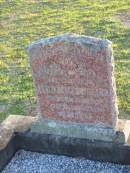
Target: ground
25, 21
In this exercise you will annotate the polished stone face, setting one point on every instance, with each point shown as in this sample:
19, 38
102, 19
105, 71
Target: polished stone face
74, 79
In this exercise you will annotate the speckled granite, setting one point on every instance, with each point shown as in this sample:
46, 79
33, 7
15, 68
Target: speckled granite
74, 79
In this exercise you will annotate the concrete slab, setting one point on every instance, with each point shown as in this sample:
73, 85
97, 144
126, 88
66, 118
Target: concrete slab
85, 131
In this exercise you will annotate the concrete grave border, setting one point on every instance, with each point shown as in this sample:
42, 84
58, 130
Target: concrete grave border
23, 138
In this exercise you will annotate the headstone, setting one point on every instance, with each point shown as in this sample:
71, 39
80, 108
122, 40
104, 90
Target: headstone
75, 85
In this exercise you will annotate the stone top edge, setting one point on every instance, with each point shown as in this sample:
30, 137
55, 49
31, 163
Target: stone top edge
72, 38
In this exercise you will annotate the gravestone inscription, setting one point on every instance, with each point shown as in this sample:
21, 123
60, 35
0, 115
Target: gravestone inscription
74, 79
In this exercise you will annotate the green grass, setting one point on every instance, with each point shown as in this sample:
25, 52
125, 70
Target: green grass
25, 21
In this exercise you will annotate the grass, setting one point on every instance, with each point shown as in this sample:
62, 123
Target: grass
25, 21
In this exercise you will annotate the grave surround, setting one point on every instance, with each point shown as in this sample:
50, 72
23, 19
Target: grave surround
90, 83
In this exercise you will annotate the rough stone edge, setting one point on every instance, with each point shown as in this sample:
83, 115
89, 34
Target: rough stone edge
69, 36
112, 86
84, 131
124, 127
13, 123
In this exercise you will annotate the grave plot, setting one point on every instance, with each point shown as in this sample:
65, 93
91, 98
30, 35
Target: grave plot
77, 106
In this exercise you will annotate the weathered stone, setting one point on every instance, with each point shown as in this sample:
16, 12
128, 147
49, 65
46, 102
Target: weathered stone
74, 79
75, 88
18, 123
14, 123
5, 136
124, 127
121, 134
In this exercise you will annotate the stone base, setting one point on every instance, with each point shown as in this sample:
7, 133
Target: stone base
84, 131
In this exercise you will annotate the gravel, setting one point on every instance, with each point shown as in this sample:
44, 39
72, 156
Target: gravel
31, 162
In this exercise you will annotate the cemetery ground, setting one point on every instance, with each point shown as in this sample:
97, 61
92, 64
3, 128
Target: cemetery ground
25, 21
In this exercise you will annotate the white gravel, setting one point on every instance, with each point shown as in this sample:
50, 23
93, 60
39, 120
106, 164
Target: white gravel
30, 162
